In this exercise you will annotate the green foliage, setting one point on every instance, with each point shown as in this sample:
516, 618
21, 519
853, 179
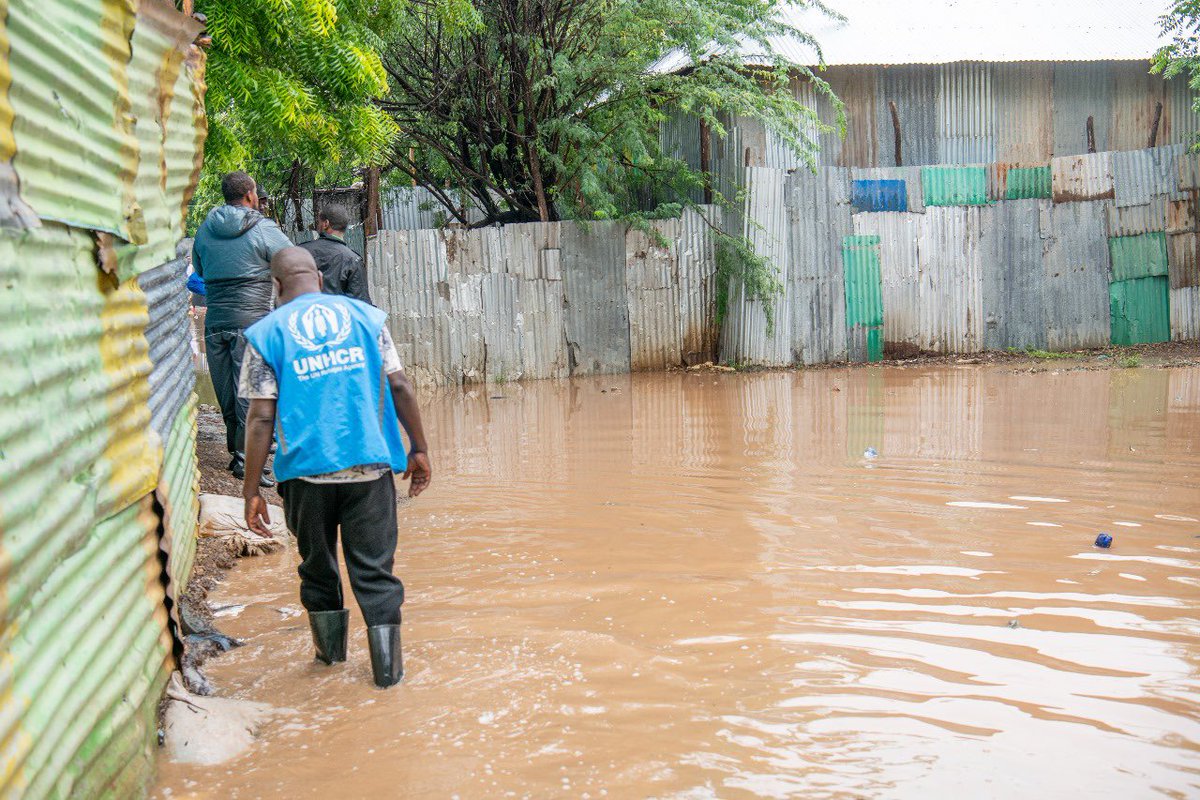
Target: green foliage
1045, 355
1181, 24
292, 85
552, 109
737, 263
1130, 361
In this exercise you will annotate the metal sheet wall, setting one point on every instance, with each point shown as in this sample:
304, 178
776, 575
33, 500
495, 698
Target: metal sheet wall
1016, 113
103, 135
1077, 274
818, 221
900, 277
950, 302
1013, 287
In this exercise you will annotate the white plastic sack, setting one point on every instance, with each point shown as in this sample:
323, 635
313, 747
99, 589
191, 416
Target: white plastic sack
223, 517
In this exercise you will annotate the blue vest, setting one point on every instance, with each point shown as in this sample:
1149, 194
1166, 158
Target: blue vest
335, 407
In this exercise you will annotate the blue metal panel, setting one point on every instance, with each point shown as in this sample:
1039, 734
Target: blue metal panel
879, 195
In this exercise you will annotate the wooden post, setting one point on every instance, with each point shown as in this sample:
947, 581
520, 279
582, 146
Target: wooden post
896, 131
373, 216
706, 161
1091, 135
1154, 125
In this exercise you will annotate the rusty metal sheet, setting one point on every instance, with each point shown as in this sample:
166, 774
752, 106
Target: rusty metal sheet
1183, 256
857, 87
1082, 177
1135, 93
1024, 115
819, 218
1139, 176
1181, 215
1076, 260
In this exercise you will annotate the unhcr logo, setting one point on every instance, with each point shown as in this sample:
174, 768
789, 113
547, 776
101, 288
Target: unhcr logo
319, 326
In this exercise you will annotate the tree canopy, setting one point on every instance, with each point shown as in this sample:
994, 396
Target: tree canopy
1182, 55
548, 109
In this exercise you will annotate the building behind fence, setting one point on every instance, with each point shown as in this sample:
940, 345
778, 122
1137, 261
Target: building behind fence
1080, 252
102, 116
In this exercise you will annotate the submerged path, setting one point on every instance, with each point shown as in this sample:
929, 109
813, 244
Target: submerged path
843, 583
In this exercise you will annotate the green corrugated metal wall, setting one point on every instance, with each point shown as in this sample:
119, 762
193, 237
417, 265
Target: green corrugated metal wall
1028, 183
101, 127
864, 297
1138, 256
954, 186
1141, 310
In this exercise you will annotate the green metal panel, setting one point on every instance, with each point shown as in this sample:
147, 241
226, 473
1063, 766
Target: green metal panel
101, 124
1141, 310
954, 186
91, 653
1138, 256
1028, 183
864, 297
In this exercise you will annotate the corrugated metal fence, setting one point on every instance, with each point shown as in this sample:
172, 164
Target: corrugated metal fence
102, 129
1082, 251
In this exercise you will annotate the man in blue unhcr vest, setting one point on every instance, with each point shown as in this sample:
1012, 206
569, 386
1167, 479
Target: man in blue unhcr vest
322, 376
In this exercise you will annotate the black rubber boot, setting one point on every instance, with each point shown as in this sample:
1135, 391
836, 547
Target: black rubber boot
329, 629
387, 662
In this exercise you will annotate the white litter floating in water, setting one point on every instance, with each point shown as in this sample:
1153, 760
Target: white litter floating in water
981, 504
1035, 499
1044, 524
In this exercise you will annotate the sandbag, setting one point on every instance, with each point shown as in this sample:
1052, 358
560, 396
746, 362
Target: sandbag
223, 517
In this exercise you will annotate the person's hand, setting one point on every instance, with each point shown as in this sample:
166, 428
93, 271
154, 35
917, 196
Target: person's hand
419, 471
257, 515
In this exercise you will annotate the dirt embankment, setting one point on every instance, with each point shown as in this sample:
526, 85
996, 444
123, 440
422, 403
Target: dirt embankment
1164, 354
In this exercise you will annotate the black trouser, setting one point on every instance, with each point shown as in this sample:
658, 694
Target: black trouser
366, 512
225, 350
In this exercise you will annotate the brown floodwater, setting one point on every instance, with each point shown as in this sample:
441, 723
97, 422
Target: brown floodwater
702, 586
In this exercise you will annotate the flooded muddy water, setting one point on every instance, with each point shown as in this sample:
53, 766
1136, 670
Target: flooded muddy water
847, 583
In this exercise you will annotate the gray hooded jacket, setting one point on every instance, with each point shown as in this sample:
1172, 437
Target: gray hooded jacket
232, 253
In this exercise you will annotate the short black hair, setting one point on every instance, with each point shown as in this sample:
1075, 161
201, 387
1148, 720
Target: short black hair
336, 216
236, 185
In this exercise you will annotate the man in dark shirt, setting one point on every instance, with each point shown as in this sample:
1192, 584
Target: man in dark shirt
341, 267
232, 254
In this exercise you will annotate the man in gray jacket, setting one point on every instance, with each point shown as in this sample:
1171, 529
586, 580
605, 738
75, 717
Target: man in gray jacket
232, 253
341, 268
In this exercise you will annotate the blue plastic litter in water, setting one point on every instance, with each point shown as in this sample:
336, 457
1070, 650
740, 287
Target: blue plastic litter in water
870, 452
1104, 540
